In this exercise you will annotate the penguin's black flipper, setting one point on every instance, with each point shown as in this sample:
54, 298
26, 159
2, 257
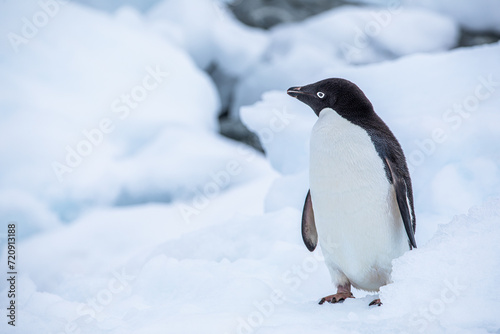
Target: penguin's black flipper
309, 233
403, 203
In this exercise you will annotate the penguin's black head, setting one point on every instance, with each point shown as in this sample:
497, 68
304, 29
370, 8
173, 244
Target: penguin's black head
338, 94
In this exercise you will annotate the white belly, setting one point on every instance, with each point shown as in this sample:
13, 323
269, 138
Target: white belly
357, 217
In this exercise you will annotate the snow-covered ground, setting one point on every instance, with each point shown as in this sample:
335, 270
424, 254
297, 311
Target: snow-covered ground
134, 215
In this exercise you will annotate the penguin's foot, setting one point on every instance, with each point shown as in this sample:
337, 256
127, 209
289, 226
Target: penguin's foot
343, 292
336, 298
376, 302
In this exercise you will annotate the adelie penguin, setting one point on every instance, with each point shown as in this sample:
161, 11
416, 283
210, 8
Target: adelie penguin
360, 203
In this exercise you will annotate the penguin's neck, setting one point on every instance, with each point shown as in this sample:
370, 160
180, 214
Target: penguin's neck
332, 125
340, 147
327, 114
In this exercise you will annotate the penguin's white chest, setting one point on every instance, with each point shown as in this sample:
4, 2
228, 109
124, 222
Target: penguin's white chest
357, 217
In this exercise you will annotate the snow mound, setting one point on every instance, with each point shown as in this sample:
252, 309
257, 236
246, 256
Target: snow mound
436, 287
211, 35
347, 35
108, 122
251, 272
178, 164
481, 15
112, 103
112, 5
281, 124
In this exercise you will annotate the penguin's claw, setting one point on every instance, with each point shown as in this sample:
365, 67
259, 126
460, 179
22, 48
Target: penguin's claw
336, 298
375, 302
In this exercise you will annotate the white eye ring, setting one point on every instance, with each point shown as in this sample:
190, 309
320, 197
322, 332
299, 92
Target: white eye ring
320, 95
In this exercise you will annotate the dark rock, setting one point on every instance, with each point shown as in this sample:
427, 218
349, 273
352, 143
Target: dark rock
472, 38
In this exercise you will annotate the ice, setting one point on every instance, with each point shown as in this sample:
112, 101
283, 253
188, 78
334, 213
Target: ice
447, 272
160, 225
481, 15
303, 51
212, 36
281, 123
163, 172
110, 6
394, 38
114, 94
242, 274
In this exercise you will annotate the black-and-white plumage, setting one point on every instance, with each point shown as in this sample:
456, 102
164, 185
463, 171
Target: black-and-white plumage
360, 203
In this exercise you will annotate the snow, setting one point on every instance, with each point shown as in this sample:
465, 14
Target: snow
483, 16
158, 224
112, 5
446, 298
362, 36
247, 274
122, 95
18, 205
211, 35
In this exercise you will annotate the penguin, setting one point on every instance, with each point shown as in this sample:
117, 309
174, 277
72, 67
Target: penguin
359, 206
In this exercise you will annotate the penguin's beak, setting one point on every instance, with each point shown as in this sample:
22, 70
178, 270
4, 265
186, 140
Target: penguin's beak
295, 91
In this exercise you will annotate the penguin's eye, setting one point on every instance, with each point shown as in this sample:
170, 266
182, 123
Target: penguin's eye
320, 95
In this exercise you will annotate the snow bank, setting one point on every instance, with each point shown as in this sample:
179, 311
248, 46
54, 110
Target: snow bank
481, 15
108, 113
436, 288
212, 35
347, 35
234, 269
117, 249
112, 5
281, 124
178, 163
175, 229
